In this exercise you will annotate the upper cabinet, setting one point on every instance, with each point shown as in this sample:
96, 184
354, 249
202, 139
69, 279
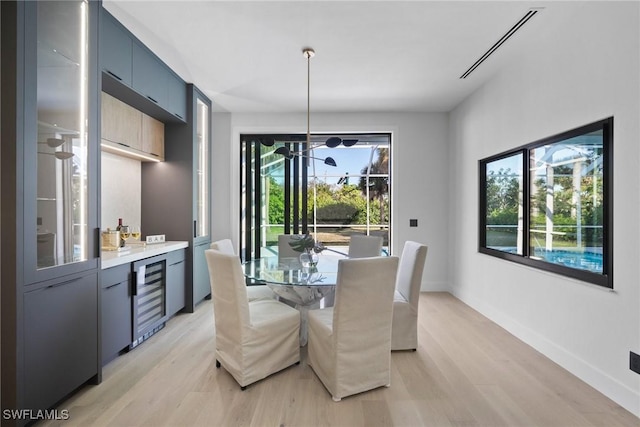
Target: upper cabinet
115, 49
134, 74
129, 132
121, 123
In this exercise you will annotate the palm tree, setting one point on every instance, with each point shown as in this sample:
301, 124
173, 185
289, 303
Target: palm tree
378, 186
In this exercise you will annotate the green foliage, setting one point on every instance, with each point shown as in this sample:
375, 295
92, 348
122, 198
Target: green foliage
276, 202
345, 204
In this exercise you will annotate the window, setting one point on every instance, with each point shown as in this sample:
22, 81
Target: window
549, 204
303, 193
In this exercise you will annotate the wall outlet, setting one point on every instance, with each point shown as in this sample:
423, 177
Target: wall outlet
634, 362
156, 238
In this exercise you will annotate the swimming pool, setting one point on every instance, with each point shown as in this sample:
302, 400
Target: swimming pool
583, 260
590, 261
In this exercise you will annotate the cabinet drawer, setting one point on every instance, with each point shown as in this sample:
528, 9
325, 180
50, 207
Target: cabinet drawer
114, 275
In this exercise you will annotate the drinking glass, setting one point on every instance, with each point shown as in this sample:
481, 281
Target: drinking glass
135, 232
125, 232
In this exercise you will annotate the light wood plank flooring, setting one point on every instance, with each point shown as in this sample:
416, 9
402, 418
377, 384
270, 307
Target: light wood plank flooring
467, 372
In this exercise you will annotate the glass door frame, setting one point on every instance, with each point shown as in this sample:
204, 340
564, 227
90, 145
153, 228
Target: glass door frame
295, 192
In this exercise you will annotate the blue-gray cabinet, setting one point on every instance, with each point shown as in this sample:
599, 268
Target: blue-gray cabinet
176, 273
116, 49
135, 75
50, 165
116, 311
60, 338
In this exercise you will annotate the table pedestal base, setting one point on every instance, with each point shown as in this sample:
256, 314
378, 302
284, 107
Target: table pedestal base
303, 298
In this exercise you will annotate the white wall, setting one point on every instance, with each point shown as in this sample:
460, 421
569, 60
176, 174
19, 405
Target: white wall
569, 78
419, 173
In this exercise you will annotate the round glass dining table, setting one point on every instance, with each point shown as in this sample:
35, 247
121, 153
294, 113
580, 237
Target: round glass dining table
303, 287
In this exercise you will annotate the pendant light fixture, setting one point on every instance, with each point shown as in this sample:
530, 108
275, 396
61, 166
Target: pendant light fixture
308, 54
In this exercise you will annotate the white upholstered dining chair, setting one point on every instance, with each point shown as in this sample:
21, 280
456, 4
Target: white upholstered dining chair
404, 335
253, 339
362, 246
254, 292
350, 343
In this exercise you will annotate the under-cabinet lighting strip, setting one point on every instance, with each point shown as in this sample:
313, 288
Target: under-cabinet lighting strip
129, 153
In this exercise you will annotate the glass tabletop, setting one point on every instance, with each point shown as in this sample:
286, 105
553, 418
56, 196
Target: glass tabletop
289, 271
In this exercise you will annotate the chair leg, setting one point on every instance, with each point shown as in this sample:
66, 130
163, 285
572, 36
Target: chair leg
217, 363
243, 388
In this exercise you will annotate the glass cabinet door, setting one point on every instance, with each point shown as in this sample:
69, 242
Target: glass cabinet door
202, 124
62, 192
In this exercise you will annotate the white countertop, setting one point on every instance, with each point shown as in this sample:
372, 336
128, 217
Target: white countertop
138, 252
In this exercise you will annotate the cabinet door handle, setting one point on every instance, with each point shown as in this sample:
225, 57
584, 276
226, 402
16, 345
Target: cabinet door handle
66, 282
111, 286
97, 240
114, 75
195, 228
152, 99
134, 283
124, 145
178, 116
176, 263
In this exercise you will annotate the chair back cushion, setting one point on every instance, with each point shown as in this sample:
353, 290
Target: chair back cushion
224, 246
364, 305
230, 305
410, 271
361, 246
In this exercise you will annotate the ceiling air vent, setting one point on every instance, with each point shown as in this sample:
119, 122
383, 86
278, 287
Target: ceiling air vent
499, 43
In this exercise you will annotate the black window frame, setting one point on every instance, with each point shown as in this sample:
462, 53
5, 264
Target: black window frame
604, 279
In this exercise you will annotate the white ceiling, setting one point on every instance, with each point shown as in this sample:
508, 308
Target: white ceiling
371, 56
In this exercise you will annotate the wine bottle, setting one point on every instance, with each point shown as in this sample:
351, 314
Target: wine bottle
119, 229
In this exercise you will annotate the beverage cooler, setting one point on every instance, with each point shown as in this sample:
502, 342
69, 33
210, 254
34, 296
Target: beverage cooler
149, 297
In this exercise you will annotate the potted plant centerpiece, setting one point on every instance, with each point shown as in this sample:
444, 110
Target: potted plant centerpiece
308, 248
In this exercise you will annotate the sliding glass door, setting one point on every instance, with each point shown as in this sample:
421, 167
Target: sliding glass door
288, 187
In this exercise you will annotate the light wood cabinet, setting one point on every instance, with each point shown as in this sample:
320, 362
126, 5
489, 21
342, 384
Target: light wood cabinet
152, 136
129, 132
121, 123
